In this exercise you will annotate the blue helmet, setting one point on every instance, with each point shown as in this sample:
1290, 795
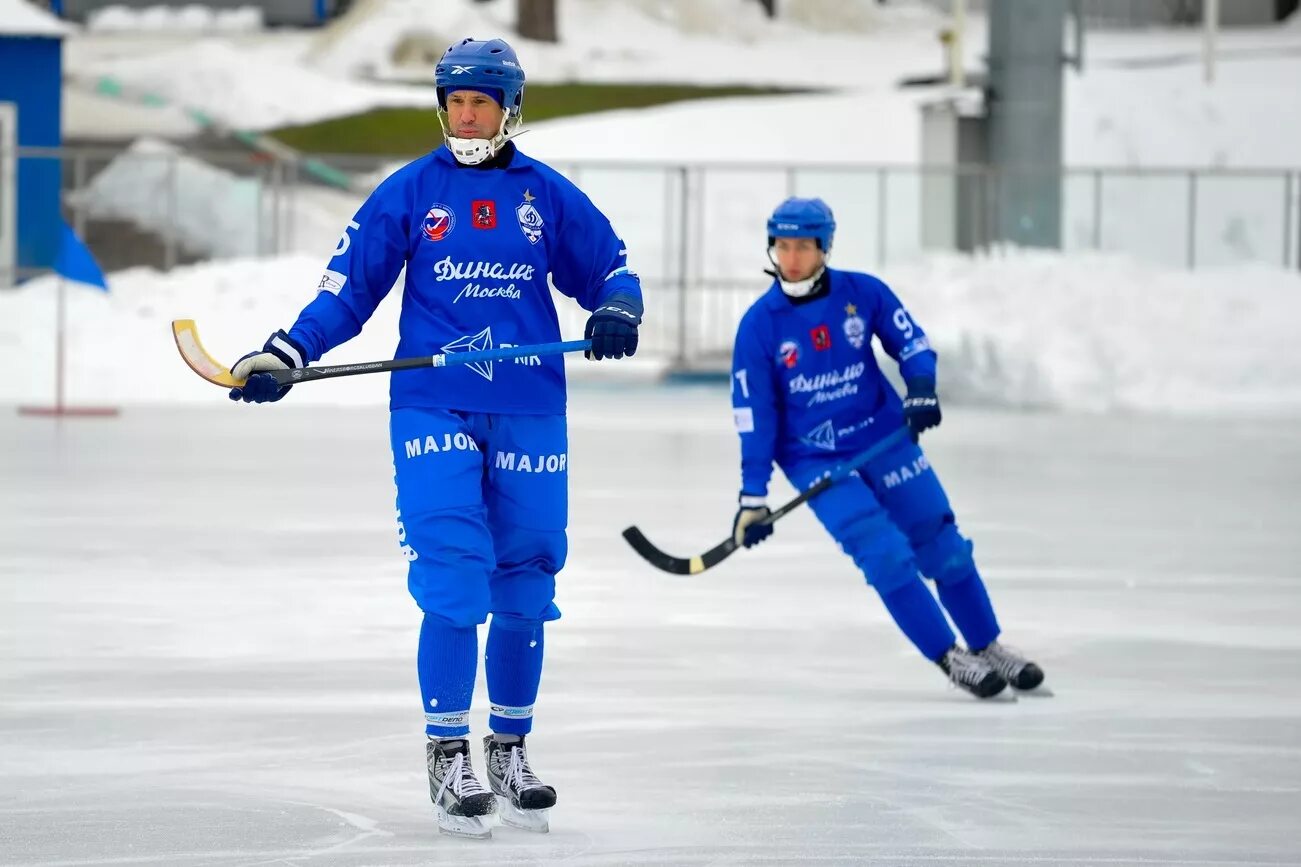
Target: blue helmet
477, 64
803, 218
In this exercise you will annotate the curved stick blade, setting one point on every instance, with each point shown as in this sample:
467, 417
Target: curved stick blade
678, 565
656, 557
186, 334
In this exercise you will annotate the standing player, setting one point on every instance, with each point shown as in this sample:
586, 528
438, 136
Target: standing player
807, 394
480, 450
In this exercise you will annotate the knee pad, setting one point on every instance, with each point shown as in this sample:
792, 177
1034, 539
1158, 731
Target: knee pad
881, 551
523, 585
450, 559
946, 558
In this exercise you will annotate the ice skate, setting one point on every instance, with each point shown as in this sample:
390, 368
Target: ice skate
464, 807
968, 671
1020, 673
523, 801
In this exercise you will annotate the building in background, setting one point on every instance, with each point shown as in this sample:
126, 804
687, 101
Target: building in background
31, 67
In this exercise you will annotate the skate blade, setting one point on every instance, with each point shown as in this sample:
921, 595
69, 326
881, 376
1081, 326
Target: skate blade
537, 821
1007, 696
471, 827
1039, 691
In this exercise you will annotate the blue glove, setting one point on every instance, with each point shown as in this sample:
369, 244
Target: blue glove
612, 328
921, 408
278, 353
746, 529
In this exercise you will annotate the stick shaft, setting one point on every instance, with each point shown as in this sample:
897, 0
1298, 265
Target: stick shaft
448, 359
723, 550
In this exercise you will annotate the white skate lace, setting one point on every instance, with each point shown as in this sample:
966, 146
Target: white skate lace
459, 776
966, 668
1003, 660
519, 775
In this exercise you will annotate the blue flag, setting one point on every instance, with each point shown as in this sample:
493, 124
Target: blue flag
75, 261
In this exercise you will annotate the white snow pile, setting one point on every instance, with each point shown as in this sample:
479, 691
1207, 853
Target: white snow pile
191, 18
210, 210
1140, 101
252, 90
647, 40
1096, 332
1077, 333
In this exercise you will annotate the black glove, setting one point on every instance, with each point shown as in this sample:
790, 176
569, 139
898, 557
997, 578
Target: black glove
921, 408
612, 328
278, 353
746, 531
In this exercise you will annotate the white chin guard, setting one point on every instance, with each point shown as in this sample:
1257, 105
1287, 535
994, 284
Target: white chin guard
472, 151
800, 288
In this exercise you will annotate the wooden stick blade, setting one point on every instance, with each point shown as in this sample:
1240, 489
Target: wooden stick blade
186, 334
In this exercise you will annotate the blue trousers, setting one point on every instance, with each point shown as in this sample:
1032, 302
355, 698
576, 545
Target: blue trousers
894, 520
482, 510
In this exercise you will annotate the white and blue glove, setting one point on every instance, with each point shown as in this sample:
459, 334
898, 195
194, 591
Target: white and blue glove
278, 353
746, 529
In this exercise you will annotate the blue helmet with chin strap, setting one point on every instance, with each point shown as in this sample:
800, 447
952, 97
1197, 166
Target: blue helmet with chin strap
487, 65
803, 218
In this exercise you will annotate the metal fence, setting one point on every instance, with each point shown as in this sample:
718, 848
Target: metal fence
1154, 13
695, 232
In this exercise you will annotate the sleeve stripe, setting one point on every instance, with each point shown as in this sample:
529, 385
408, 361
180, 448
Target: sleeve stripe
288, 349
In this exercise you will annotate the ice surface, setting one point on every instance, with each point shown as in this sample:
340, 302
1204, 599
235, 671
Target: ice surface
208, 651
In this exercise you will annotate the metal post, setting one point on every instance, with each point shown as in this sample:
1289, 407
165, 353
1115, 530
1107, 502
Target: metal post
1211, 20
290, 227
1192, 220
957, 73
684, 218
169, 237
790, 181
60, 347
79, 184
1287, 219
258, 220
667, 264
880, 217
1298, 239
277, 177
1097, 209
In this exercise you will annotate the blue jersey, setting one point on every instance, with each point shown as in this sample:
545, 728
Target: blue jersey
478, 245
805, 383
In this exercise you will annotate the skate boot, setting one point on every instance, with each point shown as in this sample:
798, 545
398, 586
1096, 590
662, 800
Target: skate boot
464, 807
970, 672
1020, 672
523, 800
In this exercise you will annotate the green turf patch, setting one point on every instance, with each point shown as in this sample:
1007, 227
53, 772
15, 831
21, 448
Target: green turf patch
414, 131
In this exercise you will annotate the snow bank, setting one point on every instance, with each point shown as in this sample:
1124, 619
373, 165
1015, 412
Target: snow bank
1080, 333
